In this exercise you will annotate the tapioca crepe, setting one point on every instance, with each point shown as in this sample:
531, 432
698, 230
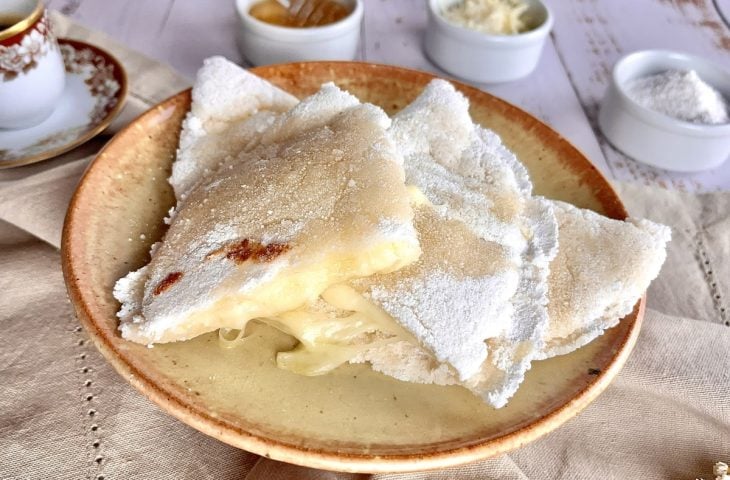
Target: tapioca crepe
270, 231
412, 244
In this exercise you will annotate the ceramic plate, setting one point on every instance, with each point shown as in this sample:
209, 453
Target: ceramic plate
96, 86
351, 419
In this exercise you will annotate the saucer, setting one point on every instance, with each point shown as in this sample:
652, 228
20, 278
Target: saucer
96, 86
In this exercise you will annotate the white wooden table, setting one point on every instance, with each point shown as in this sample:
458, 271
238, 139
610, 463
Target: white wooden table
588, 37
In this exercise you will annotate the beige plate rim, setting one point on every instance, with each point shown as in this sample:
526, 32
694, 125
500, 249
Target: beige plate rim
106, 121
331, 460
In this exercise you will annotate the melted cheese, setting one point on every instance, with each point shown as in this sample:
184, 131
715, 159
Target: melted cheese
417, 196
327, 341
289, 291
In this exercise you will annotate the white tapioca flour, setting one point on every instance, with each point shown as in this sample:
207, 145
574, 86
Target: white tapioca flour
680, 94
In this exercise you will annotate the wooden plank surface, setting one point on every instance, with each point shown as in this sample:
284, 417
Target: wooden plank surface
588, 37
179, 33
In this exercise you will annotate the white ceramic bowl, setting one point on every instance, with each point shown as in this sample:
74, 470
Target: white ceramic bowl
480, 57
652, 137
263, 43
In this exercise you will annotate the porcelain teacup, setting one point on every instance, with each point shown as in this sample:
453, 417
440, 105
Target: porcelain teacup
32, 73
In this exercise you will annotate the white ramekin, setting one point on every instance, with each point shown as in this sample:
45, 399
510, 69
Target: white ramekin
652, 137
484, 58
263, 43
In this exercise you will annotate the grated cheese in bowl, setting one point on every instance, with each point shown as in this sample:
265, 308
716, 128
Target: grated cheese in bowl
495, 17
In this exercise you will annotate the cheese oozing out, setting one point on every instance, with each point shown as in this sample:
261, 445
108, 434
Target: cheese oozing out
340, 326
452, 299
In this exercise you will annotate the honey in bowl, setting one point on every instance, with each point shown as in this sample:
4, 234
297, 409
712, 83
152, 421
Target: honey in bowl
323, 12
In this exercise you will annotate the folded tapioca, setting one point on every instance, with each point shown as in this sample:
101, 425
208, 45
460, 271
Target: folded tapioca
603, 268
269, 232
230, 109
475, 187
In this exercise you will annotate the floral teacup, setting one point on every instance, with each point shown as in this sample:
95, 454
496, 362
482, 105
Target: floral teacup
32, 74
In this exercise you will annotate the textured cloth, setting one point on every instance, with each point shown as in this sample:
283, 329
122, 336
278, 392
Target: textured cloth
66, 414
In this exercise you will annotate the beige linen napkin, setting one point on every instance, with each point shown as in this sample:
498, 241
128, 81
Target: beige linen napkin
65, 413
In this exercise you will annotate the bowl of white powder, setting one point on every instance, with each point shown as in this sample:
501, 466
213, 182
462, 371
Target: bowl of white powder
487, 41
669, 110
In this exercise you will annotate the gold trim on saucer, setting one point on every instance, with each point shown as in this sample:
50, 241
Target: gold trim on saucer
24, 24
121, 95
